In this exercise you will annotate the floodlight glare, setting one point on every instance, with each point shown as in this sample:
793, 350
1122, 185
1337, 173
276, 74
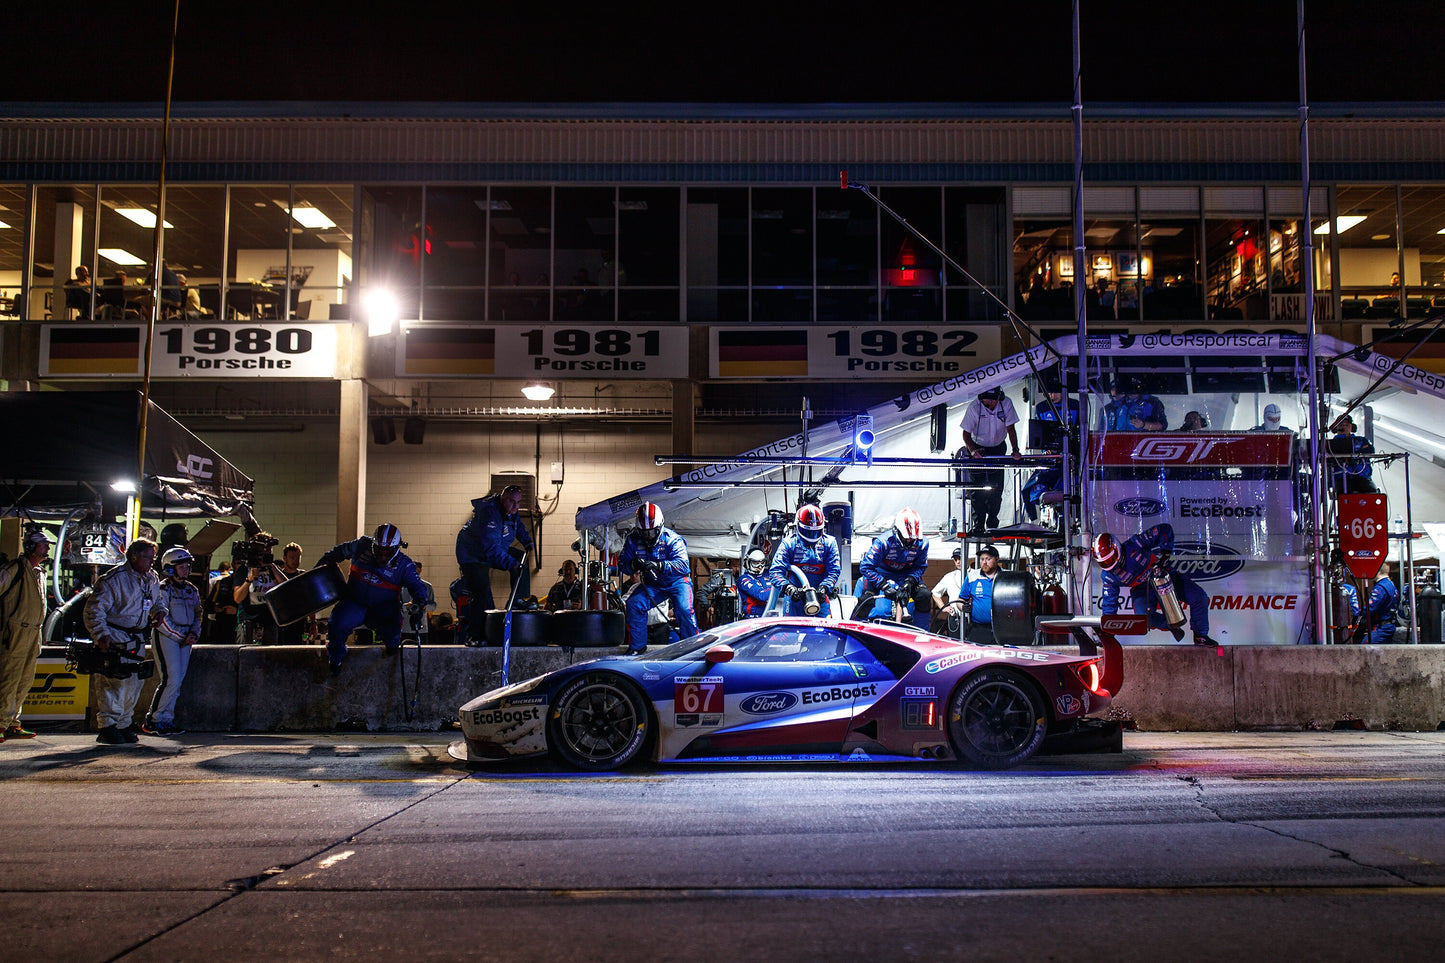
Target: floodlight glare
381, 312
123, 485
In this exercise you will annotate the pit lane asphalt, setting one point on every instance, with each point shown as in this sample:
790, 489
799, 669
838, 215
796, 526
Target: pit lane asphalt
1184, 846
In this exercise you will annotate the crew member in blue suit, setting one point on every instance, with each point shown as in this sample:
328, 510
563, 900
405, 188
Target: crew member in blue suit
979, 591
1133, 410
1380, 609
1129, 564
814, 552
1350, 474
1050, 479
660, 555
379, 571
753, 587
894, 560
485, 543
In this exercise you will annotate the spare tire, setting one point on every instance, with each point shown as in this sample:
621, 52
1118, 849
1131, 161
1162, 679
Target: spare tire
528, 628
1015, 604
593, 629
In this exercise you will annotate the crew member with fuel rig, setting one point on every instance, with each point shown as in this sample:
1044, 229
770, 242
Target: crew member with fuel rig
660, 555
894, 565
753, 587
815, 553
379, 571
1134, 563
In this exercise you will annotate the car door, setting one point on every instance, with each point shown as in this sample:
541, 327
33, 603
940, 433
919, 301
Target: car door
788, 692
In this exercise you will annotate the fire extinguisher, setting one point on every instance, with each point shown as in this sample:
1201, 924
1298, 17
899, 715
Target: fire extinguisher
1163, 582
1054, 600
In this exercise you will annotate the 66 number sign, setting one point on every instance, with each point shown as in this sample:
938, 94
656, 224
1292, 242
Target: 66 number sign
1364, 533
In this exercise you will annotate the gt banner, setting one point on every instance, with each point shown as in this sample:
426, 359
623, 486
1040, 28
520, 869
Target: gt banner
891, 352
278, 350
1230, 498
433, 350
57, 692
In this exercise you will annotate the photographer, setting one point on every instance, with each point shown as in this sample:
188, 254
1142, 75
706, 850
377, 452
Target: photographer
126, 604
253, 574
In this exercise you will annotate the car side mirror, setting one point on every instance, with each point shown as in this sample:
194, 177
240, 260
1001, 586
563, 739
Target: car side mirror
719, 653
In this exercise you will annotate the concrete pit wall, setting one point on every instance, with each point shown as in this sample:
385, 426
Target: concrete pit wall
288, 688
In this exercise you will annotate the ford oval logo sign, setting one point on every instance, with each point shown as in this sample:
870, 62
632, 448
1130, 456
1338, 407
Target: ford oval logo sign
766, 702
1139, 507
1187, 561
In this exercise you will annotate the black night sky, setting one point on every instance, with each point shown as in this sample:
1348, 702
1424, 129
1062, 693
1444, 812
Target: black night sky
783, 52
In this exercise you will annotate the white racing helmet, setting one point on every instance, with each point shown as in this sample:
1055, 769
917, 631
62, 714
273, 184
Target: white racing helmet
756, 562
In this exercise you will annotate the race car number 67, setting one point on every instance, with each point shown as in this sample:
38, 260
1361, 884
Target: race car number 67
697, 696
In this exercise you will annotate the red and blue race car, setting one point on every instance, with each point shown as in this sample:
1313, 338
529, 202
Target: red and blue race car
798, 689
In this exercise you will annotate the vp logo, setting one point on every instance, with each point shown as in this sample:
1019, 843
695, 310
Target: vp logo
197, 466
53, 683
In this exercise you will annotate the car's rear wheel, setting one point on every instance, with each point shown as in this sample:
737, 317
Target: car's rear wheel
996, 719
598, 721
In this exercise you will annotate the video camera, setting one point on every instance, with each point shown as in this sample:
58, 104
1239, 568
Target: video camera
85, 657
253, 552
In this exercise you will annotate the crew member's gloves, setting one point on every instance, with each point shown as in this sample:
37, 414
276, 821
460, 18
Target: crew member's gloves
888, 588
516, 554
828, 591
910, 587
796, 591
651, 571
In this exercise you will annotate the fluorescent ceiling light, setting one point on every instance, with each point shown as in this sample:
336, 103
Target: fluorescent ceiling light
119, 256
122, 485
305, 215
141, 216
1342, 223
539, 392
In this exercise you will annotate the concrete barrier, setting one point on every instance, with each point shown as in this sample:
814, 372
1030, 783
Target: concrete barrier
287, 688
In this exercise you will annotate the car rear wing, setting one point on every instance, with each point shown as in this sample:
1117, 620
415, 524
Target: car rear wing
1096, 635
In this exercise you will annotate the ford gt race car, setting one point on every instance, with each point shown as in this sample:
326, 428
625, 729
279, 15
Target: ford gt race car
798, 689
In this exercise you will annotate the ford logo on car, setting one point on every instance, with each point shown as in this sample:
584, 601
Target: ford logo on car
1188, 561
1139, 507
766, 702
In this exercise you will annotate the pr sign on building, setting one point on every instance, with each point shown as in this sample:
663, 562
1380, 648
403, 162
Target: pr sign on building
886, 352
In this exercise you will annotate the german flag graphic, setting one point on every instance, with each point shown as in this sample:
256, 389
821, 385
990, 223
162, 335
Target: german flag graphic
95, 350
451, 350
762, 354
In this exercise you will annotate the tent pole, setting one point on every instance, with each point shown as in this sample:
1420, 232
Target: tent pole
1318, 595
156, 290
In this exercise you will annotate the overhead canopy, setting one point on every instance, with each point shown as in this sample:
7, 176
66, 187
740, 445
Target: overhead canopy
67, 447
716, 519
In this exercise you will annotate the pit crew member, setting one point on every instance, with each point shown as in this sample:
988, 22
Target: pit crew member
659, 555
1129, 564
485, 543
379, 571
126, 604
753, 587
179, 628
814, 552
896, 560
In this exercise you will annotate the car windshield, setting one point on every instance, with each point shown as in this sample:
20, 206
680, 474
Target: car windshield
694, 646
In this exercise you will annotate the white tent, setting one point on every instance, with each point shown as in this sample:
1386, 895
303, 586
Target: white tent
720, 502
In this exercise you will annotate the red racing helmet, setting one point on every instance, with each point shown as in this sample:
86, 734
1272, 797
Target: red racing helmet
1106, 550
810, 523
909, 526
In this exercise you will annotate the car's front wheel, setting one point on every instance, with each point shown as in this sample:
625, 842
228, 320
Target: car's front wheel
598, 721
996, 719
